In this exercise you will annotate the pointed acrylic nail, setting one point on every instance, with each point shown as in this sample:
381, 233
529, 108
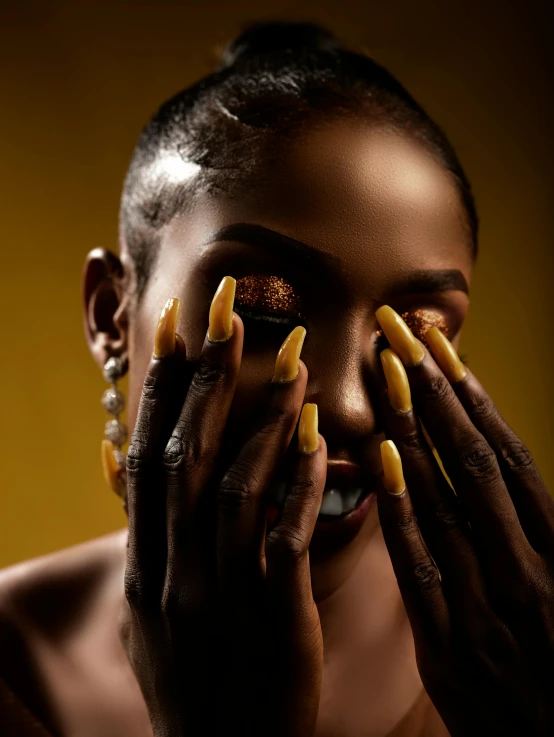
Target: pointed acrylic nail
400, 337
164, 339
445, 355
393, 479
308, 438
221, 311
287, 362
397, 381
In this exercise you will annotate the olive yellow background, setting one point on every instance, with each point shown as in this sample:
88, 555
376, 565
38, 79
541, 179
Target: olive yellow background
78, 81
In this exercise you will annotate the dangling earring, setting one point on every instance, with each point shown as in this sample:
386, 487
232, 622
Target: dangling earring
115, 432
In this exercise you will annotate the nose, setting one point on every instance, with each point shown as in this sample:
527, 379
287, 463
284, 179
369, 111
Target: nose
342, 363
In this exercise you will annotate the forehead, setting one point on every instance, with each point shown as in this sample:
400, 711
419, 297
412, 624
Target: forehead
373, 198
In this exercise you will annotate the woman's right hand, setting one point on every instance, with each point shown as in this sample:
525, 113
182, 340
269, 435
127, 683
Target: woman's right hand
220, 625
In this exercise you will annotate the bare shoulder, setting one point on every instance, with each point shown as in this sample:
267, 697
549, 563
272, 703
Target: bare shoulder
58, 632
47, 597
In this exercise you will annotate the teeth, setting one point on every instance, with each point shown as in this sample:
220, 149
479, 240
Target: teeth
331, 503
350, 498
335, 502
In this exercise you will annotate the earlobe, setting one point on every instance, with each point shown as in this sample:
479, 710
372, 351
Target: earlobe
105, 306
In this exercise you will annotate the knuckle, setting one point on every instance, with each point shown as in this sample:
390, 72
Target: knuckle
234, 491
208, 376
276, 418
286, 544
449, 514
186, 450
516, 456
482, 409
138, 456
305, 488
437, 390
426, 576
479, 459
411, 445
150, 387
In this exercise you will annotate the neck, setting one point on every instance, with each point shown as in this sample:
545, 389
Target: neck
370, 671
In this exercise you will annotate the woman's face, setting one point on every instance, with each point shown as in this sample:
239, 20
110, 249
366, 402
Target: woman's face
349, 218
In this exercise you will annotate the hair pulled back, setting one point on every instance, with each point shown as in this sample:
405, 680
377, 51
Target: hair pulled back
214, 134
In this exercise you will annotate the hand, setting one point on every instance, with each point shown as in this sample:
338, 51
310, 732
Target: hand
475, 568
221, 628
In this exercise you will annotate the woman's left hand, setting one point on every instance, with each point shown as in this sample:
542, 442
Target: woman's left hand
475, 568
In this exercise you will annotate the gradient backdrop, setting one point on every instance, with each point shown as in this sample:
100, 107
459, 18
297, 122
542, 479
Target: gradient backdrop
79, 79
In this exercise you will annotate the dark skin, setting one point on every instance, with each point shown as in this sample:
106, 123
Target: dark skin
381, 210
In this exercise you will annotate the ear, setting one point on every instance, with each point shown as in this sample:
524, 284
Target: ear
106, 307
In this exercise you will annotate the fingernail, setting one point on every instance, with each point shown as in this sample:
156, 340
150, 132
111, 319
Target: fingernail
111, 469
308, 439
400, 336
221, 311
392, 467
164, 340
445, 355
397, 381
286, 364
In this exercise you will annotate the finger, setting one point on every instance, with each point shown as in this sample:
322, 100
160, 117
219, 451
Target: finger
288, 588
533, 503
286, 545
241, 494
440, 517
147, 546
468, 459
195, 441
418, 577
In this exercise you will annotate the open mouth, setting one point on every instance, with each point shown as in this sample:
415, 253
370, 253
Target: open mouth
337, 501
343, 494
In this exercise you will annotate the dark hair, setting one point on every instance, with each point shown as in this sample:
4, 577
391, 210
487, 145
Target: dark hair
271, 78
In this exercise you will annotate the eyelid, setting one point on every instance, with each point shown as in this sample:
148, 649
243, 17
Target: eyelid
258, 316
267, 294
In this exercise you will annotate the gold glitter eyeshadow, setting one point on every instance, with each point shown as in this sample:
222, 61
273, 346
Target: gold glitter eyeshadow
419, 322
270, 293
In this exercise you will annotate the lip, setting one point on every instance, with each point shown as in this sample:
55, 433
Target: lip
342, 472
332, 534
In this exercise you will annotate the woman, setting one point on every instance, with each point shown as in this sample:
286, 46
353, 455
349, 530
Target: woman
287, 570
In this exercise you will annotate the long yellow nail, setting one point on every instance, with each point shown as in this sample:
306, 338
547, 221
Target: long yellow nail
308, 439
111, 469
286, 364
221, 311
397, 381
392, 466
400, 336
164, 339
445, 355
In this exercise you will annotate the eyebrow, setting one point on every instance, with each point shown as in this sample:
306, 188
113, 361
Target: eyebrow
433, 280
419, 282
282, 245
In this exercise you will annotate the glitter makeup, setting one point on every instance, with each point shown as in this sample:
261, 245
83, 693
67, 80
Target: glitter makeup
267, 293
419, 322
